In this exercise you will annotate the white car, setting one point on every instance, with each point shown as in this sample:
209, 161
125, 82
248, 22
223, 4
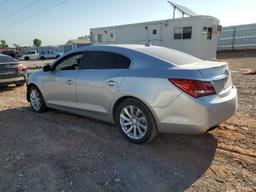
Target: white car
30, 55
49, 55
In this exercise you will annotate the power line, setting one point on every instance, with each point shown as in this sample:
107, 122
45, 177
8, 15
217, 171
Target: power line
35, 14
4, 2
19, 10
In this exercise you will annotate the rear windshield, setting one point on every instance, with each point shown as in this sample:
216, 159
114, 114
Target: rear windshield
170, 55
6, 59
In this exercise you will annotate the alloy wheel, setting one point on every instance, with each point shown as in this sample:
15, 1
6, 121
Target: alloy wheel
35, 100
133, 122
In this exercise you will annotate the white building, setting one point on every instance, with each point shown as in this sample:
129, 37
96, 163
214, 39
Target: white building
196, 35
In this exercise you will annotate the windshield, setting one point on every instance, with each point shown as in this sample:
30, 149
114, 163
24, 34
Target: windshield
6, 59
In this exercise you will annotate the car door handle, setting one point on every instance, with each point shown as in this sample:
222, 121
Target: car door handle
112, 83
69, 82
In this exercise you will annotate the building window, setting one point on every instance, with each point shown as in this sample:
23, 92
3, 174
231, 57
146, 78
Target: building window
178, 33
154, 32
207, 31
187, 32
99, 38
183, 33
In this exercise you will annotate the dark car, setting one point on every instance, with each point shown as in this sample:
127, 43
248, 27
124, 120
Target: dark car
11, 71
13, 54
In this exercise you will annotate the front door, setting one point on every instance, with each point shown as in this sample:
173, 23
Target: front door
60, 85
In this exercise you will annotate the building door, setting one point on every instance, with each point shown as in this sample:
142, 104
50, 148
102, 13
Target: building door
155, 34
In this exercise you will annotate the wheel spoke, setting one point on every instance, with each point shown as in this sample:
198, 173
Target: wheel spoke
135, 133
138, 112
124, 118
127, 113
139, 130
131, 111
126, 124
129, 130
142, 126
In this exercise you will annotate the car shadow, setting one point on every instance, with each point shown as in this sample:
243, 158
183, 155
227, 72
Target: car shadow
56, 149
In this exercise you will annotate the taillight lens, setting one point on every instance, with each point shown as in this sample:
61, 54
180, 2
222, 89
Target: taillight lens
20, 68
194, 88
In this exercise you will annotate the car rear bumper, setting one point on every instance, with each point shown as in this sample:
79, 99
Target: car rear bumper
13, 80
187, 115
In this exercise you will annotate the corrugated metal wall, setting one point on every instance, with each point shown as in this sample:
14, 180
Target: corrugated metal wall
238, 37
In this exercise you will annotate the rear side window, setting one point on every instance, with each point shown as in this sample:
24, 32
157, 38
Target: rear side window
122, 62
106, 60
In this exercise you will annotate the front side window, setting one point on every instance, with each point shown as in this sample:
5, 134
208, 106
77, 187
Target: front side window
70, 63
183, 33
98, 60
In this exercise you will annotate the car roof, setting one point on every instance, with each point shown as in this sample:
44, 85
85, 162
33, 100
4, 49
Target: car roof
4, 55
166, 54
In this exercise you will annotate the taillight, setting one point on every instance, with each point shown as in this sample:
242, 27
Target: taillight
194, 88
20, 68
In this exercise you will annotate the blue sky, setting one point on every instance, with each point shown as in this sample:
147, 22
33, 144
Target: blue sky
74, 18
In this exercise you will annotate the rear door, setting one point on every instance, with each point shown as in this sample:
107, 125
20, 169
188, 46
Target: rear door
100, 79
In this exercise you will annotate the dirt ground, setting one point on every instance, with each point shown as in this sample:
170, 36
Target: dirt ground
55, 151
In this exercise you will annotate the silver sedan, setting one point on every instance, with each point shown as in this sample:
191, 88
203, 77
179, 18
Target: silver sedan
142, 89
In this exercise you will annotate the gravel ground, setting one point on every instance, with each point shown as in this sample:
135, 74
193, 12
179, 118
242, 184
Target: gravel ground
55, 151
240, 64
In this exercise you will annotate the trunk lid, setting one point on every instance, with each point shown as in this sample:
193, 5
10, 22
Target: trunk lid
9, 68
218, 73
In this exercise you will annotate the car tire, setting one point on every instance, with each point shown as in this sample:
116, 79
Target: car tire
36, 99
57, 56
26, 58
42, 58
135, 121
20, 84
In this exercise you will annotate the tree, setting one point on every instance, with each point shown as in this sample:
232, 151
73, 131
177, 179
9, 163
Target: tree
17, 47
3, 44
37, 42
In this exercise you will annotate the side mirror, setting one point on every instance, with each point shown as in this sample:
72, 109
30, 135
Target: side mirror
47, 68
